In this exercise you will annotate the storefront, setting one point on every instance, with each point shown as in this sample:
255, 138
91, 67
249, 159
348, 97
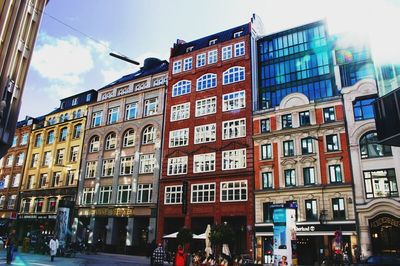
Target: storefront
385, 234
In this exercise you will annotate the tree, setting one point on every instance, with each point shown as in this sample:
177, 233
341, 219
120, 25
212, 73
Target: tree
184, 236
221, 234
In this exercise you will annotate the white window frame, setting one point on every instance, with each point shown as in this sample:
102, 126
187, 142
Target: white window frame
236, 187
212, 56
96, 117
88, 192
239, 49
232, 129
112, 113
234, 74
180, 112
173, 195
149, 135
128, 108
179, 138
201, 191
124, 189
129, 138
46, 158
146, 165
233, 101
150, 106
227, 52
206, 106
102, 191
187, 64
182, 87
234, 159
177, 165
16, 180
177, 67
203, 161
111, 141
201, 60
91, 169
206, 81
140, 191
126, 162
205, 133
94, 146
108, 164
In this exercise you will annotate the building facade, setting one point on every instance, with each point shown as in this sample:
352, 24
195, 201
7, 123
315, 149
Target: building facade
121, 162
19, 26
301, 155
53, 163
207, 164
376, 171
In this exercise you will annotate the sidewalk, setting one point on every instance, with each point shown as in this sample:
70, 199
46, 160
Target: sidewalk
39, 260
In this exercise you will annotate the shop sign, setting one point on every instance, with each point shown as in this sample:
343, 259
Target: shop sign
385, 220
37, 216
308, 228
114, 212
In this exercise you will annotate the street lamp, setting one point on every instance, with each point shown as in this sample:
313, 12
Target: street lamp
124, 58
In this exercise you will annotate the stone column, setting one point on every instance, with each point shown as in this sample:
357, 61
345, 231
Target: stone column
135, 177
92, 231
112, 231
129, 232
365, 241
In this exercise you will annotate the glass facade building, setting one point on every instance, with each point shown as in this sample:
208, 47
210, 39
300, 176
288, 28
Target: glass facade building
295, 60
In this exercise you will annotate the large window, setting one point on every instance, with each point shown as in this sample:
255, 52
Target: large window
35, 159
91, 169
329, 114
286, 121
239, 49
207, 81
187, 64
267, 181
304, 118
50, 137
42, 181
339, 212
105, 195
233, 101
63, 134
130, 111
204, 162
73, 155
234, 129
380, 183
203, 193
265, 125
212, 56
206, 106
10, 160
233, 74
267, 212
180, 88
20, 159
25, 206
234, 191
108, 167
46, 158
38, 205
124, 194
173, 195
111, 141
16, 180
309, 176
24, 139
311, 210
150, 106
77, 131
129, 138
179, 138
332, 142
180, 112
205, 133
146, 163
38, 140
288, 148
290, 177
201, 60
363, 109
144, 193
227, 52
149, 135
266, 151
177, 165
88, 195
234, 159
370, 148
94, 144
126, 166
51, 204
6, 181
335, 173
307, 146
177, 67
96, 118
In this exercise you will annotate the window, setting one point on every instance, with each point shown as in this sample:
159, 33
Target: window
24, 139
88, 195
201, 60
189, 49
380, 183
187, 64
329, 114
15, 140
56, 179
105, 195
332, 142
51, 204
177, 67
363, 109
227, 52
234, 159
60, 157
73, 156
25, 206
111, 141
181, 88
204, 162
150, 107
144, 193
233, 101
265, 125
146, 163
38, 140
130, 111
112, 116
233, 74
338, 209
88, 97
267, 181
50, 137
178, 138
177, 165
290, 178
203, 193
149, 135
238, 34
77, 131
10, 160
239, 49
126, 166
70, 178
207, 81
180, 112
38, 205
96, 118
63, 134
266, 151
20, 159
267, 212
30, 182
304, 118
311, 210
234, 191
94, 144
46, 158
6, 181
335, 173
42, 180
108, 167
287, 121
206, 106
124, 194
212, 42
35, 159
212, 56
129, 138
173, 195
205, 133
370, 148
307, 146
309, 176
288, 148
74, 101
16, 180
234, 129
91, 169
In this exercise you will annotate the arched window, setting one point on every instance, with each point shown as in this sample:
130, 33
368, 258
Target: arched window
38, 140
63, 134
50, 137
73, 114
77, 131
149, 135
206, 81
111, 141
25, 205
233, 74
38, 205
61, 119
180, 88
129, 138
79, 113
51, 204
94, 144
369, 147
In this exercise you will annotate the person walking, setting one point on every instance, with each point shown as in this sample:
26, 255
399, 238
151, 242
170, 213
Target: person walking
10, 247
159, 256
180, 258
53, 244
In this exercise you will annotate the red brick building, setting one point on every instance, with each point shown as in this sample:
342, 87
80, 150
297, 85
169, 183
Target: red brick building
207, 164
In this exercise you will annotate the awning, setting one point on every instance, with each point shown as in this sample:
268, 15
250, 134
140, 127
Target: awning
173, 235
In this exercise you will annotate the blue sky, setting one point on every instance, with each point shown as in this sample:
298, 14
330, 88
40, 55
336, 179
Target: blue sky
65, 62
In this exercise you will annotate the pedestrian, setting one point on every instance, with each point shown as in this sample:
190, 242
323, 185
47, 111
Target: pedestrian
180, 258
10, 247
159, 255
53, 245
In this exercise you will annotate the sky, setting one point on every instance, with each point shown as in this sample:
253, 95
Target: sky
66, 61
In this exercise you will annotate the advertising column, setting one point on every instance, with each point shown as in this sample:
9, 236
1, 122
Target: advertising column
62, 223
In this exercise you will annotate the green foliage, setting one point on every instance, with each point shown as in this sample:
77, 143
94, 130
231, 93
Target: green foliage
184, 236
222, 234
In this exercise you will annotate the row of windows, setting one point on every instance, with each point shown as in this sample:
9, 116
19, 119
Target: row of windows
19, 161
211, 57
62, 136
15, 181
11, 203
64, 117
38, 205
23, 141
59, 159
57, 180
209, 81
205, 192
131, 110
206, 162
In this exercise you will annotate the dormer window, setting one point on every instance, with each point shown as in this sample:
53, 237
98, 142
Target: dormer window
189, 49
74, 101
212, 42
238, 34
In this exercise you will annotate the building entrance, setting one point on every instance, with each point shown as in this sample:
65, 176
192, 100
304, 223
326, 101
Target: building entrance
385, 234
